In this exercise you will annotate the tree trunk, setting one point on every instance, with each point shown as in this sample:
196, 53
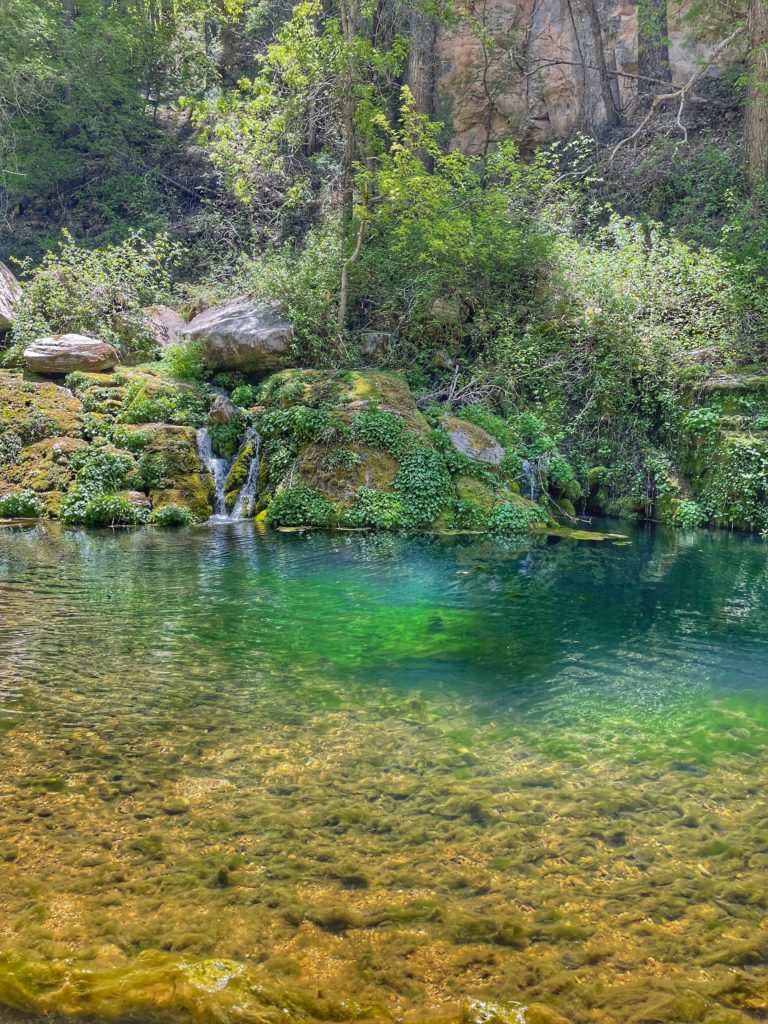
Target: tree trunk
757, 92
653, 47
612, 115
421, 61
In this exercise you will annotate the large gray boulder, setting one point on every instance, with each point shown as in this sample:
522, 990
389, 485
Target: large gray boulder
166, 325
243, 335
64, 353
10, 292
472, 441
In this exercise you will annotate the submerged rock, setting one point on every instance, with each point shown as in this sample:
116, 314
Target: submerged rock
65, 353
10, 293
243, 335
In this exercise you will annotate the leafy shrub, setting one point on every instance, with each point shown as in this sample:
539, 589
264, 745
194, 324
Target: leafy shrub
425, 485
466, 515
131, 440
303, 423
19, 505
101, 510
185, 361
98, 292
379, 430
98, 470
36, 427
514, 518
182, 405
690, 513
244, 395
226, 438
701, 421
10, 447
173, 515
151, 470
378, 509
301, 506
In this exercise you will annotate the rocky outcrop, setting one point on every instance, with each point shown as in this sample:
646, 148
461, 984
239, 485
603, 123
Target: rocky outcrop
165, 325
251, 337
472, 441
223, 410
528, 69
10, 292
65, 353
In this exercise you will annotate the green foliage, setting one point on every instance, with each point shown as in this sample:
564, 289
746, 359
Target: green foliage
19, 505
172, 515
185, 361
466, 515
303, 423
701, 420
179, 404
424, 484
226, 438
244, 395
37, 426
10, 447
131, 440
301, 506
102, 510
512, 517
151, 471
690, 513
304, 279
98, 470
377, 509
96, 292
343, 458
378, 429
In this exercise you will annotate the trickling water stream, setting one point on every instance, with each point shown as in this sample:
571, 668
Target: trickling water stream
530, 480
219, 468
246, 498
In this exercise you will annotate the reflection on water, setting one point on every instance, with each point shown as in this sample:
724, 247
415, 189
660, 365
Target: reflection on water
256, 777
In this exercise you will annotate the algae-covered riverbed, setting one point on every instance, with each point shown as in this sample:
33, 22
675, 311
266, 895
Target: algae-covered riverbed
251, 777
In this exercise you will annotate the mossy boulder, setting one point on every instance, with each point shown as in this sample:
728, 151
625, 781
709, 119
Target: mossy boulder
36, 409
339, 471
472, 441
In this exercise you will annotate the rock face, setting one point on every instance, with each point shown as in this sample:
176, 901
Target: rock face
64, 353
223, 410
10, 291
166, 325
242, 335
472, 441
537, 81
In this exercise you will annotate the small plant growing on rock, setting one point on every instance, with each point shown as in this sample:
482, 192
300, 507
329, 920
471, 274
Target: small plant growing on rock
301, 506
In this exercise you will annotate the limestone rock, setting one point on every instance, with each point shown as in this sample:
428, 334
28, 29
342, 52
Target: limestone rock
64, 353
223, 410
10, 291
251, 337
166, 325
472, 441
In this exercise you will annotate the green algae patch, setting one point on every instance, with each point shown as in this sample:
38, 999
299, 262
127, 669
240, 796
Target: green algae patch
159, 988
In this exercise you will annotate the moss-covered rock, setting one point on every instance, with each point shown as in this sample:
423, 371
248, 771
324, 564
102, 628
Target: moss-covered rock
33, 410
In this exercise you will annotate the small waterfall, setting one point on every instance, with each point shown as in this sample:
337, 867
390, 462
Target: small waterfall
530, 479
219, 470
217, 467
245, 500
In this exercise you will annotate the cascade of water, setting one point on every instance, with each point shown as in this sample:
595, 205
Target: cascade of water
530, 479
219, 469
216, 466
245, 500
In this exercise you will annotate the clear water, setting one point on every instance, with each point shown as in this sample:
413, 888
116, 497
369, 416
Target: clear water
248, 776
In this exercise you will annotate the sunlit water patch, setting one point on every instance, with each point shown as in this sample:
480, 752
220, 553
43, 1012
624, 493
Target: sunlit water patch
256, 777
